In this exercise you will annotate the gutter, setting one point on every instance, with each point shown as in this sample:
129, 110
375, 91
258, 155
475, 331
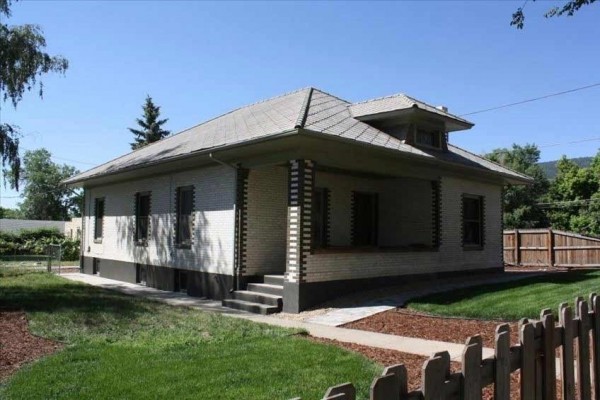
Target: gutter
236, 281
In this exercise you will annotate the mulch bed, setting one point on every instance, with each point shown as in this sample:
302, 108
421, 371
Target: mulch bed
413, 364
403, 322
17, 345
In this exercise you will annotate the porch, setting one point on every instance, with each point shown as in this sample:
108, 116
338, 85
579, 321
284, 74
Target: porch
311, 224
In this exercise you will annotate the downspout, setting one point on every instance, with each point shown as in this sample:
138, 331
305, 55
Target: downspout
82, 238
236, 284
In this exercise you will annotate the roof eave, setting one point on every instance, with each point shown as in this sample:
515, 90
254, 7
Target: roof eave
74, 181
507, 178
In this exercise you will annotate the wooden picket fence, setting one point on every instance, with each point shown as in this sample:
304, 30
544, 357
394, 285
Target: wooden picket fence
547, 247
576, 337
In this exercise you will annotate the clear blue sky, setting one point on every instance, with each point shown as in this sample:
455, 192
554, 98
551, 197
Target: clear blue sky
198, 60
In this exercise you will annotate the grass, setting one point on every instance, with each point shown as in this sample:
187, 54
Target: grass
511, 300
119, 346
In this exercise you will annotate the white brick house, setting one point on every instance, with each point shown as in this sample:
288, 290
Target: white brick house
295, 200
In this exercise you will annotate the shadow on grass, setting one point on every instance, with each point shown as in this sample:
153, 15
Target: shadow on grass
39, 292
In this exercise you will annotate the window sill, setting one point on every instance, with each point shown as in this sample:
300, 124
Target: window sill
98, 241
375, 249
142, 243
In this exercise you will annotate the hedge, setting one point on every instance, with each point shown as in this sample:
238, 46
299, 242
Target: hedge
35, 242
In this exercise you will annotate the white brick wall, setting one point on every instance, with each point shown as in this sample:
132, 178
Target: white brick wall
450, 257
213, 234
267, 221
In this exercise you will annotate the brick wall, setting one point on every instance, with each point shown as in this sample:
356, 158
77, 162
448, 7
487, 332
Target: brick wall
266, 218
213, 232
404, 208
450, 257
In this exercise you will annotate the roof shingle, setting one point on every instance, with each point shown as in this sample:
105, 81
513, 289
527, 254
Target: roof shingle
308, 108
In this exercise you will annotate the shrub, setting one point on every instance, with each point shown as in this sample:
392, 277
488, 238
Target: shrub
36, 241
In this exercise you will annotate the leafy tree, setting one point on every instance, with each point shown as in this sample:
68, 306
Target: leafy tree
574, 197
150, 124
569, 8
22, 64
44, 196
520, 203
10, 213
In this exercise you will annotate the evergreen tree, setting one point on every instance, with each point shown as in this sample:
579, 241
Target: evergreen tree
150, 124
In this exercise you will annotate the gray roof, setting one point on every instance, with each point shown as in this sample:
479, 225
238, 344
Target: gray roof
396, 102
308, 108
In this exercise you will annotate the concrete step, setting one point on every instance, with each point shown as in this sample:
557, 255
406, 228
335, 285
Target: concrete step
266, 288
274, 279
255, 297
249, 306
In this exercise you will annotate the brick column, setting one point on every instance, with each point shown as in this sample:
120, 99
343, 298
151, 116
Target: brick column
300, 191
241, 223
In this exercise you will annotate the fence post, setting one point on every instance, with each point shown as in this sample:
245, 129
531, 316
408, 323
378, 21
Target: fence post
502, 366
435, 371
471, 369
550, 248
528, 375
401, 374
517, 248
583, 350
549, 356
566, 353
595, 320
345, 391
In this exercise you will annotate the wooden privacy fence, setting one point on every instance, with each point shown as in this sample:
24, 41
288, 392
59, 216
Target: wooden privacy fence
576, 337
537, 247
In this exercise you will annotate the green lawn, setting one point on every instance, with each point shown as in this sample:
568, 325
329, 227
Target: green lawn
118, 346
513, 300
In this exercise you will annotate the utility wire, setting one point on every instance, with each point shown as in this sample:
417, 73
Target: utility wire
62, 158
571, 142
532, 99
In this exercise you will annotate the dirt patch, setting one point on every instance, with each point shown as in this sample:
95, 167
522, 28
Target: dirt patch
456, 330
17, 345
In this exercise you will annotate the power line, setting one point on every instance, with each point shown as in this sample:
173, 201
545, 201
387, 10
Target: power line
571, 142
567, 203
532, 99
64, 159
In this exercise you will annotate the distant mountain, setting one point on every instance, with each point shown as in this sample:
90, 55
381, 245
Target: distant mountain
549, 167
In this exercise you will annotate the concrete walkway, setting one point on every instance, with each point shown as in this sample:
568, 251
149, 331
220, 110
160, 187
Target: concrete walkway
380, 340
402, 294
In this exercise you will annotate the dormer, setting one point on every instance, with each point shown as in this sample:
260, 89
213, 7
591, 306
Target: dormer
412, 121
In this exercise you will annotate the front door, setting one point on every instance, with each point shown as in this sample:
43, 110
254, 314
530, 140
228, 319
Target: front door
365, 219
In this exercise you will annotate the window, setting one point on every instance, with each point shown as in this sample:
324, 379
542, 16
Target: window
141, 274
142, 217
472, 213
181, 281
99, 219
185, 208
319, 218
95, 266
364, 219
430, 138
